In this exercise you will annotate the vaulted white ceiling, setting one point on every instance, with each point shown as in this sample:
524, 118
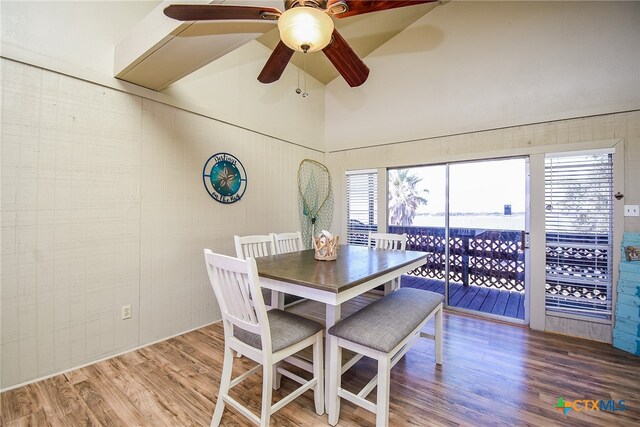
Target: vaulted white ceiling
160, 51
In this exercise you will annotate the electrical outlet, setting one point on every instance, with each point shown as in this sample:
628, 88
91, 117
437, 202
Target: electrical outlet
126, 311
631, 210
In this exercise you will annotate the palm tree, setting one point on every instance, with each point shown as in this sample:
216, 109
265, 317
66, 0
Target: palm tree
404, 197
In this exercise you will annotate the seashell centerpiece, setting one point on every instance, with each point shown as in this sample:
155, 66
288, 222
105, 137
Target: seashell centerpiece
326, 246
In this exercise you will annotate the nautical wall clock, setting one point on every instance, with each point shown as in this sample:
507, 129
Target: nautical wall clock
224, 178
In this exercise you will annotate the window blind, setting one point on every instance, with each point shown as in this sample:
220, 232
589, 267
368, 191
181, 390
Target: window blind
362, 206
579, 234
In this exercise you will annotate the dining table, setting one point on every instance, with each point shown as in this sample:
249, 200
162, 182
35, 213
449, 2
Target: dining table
356, 270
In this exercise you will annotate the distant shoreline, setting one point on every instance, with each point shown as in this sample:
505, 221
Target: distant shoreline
472, 214
489, 221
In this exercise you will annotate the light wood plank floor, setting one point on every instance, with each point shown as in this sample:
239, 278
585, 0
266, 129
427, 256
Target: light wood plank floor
493, 374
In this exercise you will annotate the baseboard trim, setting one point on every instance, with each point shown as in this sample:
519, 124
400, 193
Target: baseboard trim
84, 365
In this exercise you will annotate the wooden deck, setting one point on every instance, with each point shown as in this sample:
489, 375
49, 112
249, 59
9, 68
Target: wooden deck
486, 300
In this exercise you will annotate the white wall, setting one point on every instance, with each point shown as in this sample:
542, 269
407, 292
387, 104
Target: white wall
81, 34
470, 66
102, 200
70, 220
179, 219
103, 205
78, 38
229, 90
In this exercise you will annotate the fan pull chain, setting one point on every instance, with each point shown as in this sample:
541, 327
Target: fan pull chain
298, 90
304, 70
305, 93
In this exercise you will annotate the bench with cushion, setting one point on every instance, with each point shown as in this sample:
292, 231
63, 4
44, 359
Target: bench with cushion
384, 330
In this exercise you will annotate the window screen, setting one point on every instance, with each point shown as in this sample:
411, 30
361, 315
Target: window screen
362, 205
579, 234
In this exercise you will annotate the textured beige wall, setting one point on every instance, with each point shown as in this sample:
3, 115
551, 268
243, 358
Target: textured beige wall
102, 204
70, 209
77, 38
179, 219
228, 89
518, 140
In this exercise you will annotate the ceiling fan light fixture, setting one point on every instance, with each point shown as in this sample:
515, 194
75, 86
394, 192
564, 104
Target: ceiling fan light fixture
305, 29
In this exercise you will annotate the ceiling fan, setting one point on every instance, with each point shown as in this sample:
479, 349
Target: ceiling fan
305, 26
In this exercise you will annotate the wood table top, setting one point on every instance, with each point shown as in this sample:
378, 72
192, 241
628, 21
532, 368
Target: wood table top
354, 265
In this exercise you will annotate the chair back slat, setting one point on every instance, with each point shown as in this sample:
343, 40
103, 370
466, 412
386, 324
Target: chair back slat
285, 243
243, 308
236, 286
388, 241
256, 246
249, 306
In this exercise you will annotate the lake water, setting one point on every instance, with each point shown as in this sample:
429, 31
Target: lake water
483, 221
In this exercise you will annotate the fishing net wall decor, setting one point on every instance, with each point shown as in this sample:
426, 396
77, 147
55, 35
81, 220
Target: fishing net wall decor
315, 199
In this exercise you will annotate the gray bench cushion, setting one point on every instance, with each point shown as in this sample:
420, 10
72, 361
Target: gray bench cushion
286, 329
383, 324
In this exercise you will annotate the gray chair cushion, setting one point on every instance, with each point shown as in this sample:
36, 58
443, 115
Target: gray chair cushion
383, 324
286, 328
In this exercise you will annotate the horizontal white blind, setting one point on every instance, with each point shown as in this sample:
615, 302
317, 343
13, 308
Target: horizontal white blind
579, 230
362, 206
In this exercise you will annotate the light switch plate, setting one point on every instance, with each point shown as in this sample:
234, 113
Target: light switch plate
631, 210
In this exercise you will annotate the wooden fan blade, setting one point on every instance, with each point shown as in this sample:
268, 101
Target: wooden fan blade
358, 7
276, 64
208, 12
348, 64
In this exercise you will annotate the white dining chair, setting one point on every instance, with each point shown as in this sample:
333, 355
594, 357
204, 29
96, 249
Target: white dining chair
388, 241
266, 337
285, 243
255, 246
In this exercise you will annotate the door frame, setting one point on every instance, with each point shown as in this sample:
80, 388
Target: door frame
383, 209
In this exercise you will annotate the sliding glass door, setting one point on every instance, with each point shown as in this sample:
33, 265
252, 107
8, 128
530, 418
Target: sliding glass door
417, 206
487, 213
470, 218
